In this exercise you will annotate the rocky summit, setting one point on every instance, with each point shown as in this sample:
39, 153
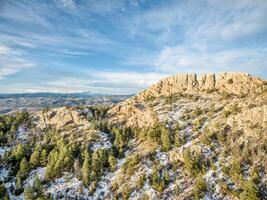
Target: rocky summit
187, 136
212, 87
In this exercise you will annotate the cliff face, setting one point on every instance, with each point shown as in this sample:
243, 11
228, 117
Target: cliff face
232, 83
223, 88
61, 118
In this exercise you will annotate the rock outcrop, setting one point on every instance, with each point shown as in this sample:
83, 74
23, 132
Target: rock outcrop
136, 111
232, 83
61, 118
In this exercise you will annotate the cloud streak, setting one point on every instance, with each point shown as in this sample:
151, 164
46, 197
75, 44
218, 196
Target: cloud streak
124, 46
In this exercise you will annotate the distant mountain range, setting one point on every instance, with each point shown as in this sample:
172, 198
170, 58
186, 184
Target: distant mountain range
55, 95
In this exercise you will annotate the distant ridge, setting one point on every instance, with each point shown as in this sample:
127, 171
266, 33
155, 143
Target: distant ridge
55, 95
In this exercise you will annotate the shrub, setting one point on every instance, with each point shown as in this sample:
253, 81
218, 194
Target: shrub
178, 140
130, 164
200, 188
140, 181
196, 112
251, 191
3, 191
112, 162
159, 179
165, 139
235, 171
192, 163
28, 193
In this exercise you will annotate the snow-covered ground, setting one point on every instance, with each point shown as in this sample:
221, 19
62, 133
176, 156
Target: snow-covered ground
21, 134
67, 187
102, 141
162, 157
3, 150
3, 173
40, 171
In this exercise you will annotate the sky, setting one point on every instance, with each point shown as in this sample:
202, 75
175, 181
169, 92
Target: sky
123, 46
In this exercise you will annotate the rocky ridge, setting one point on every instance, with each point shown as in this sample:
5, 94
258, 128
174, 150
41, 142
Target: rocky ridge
139, 112
232, 83
214, 127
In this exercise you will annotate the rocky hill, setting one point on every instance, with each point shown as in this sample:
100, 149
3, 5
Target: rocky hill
211, 88
185, 137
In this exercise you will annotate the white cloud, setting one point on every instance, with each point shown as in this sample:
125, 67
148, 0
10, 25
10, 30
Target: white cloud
200, 21
68, 3
106, 82
13, 66
4, 50
182, 59
11, 61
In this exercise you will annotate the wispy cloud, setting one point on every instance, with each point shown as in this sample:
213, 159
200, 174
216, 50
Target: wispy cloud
106, 82
124, 46
12, 61
182, 59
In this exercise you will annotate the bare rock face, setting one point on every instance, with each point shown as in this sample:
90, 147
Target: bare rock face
232, 83
61, 118
136, 111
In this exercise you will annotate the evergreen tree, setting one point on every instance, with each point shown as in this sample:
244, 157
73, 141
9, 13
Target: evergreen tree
19, 152
166, 177
165, 139
178, 140
192, 164
6, 197
37, 186
35, 157
251, 191
43, 158
24, 169
112, 162
86, 170
2, 190
28, 193
18, 181
50, 171
235, 171
140, 181
200, 188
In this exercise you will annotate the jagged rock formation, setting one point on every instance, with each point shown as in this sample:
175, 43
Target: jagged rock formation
139, 113
62, 118
232, 83
198, 137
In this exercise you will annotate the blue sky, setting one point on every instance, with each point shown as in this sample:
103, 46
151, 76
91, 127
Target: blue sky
123, 46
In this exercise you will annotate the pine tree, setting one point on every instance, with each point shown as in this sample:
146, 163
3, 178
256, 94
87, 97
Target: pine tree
2, 190
165, 139
18, 181
28, 193
112, 162
6, 197
35, 157
166, 177
235, 171
140, 181
192, 164
51, 171
19, 152
86, 170
24, 169
200, 188
37, 186
43, 159
251, 191
178, 140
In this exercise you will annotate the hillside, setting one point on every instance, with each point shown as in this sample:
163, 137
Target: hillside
185, 137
